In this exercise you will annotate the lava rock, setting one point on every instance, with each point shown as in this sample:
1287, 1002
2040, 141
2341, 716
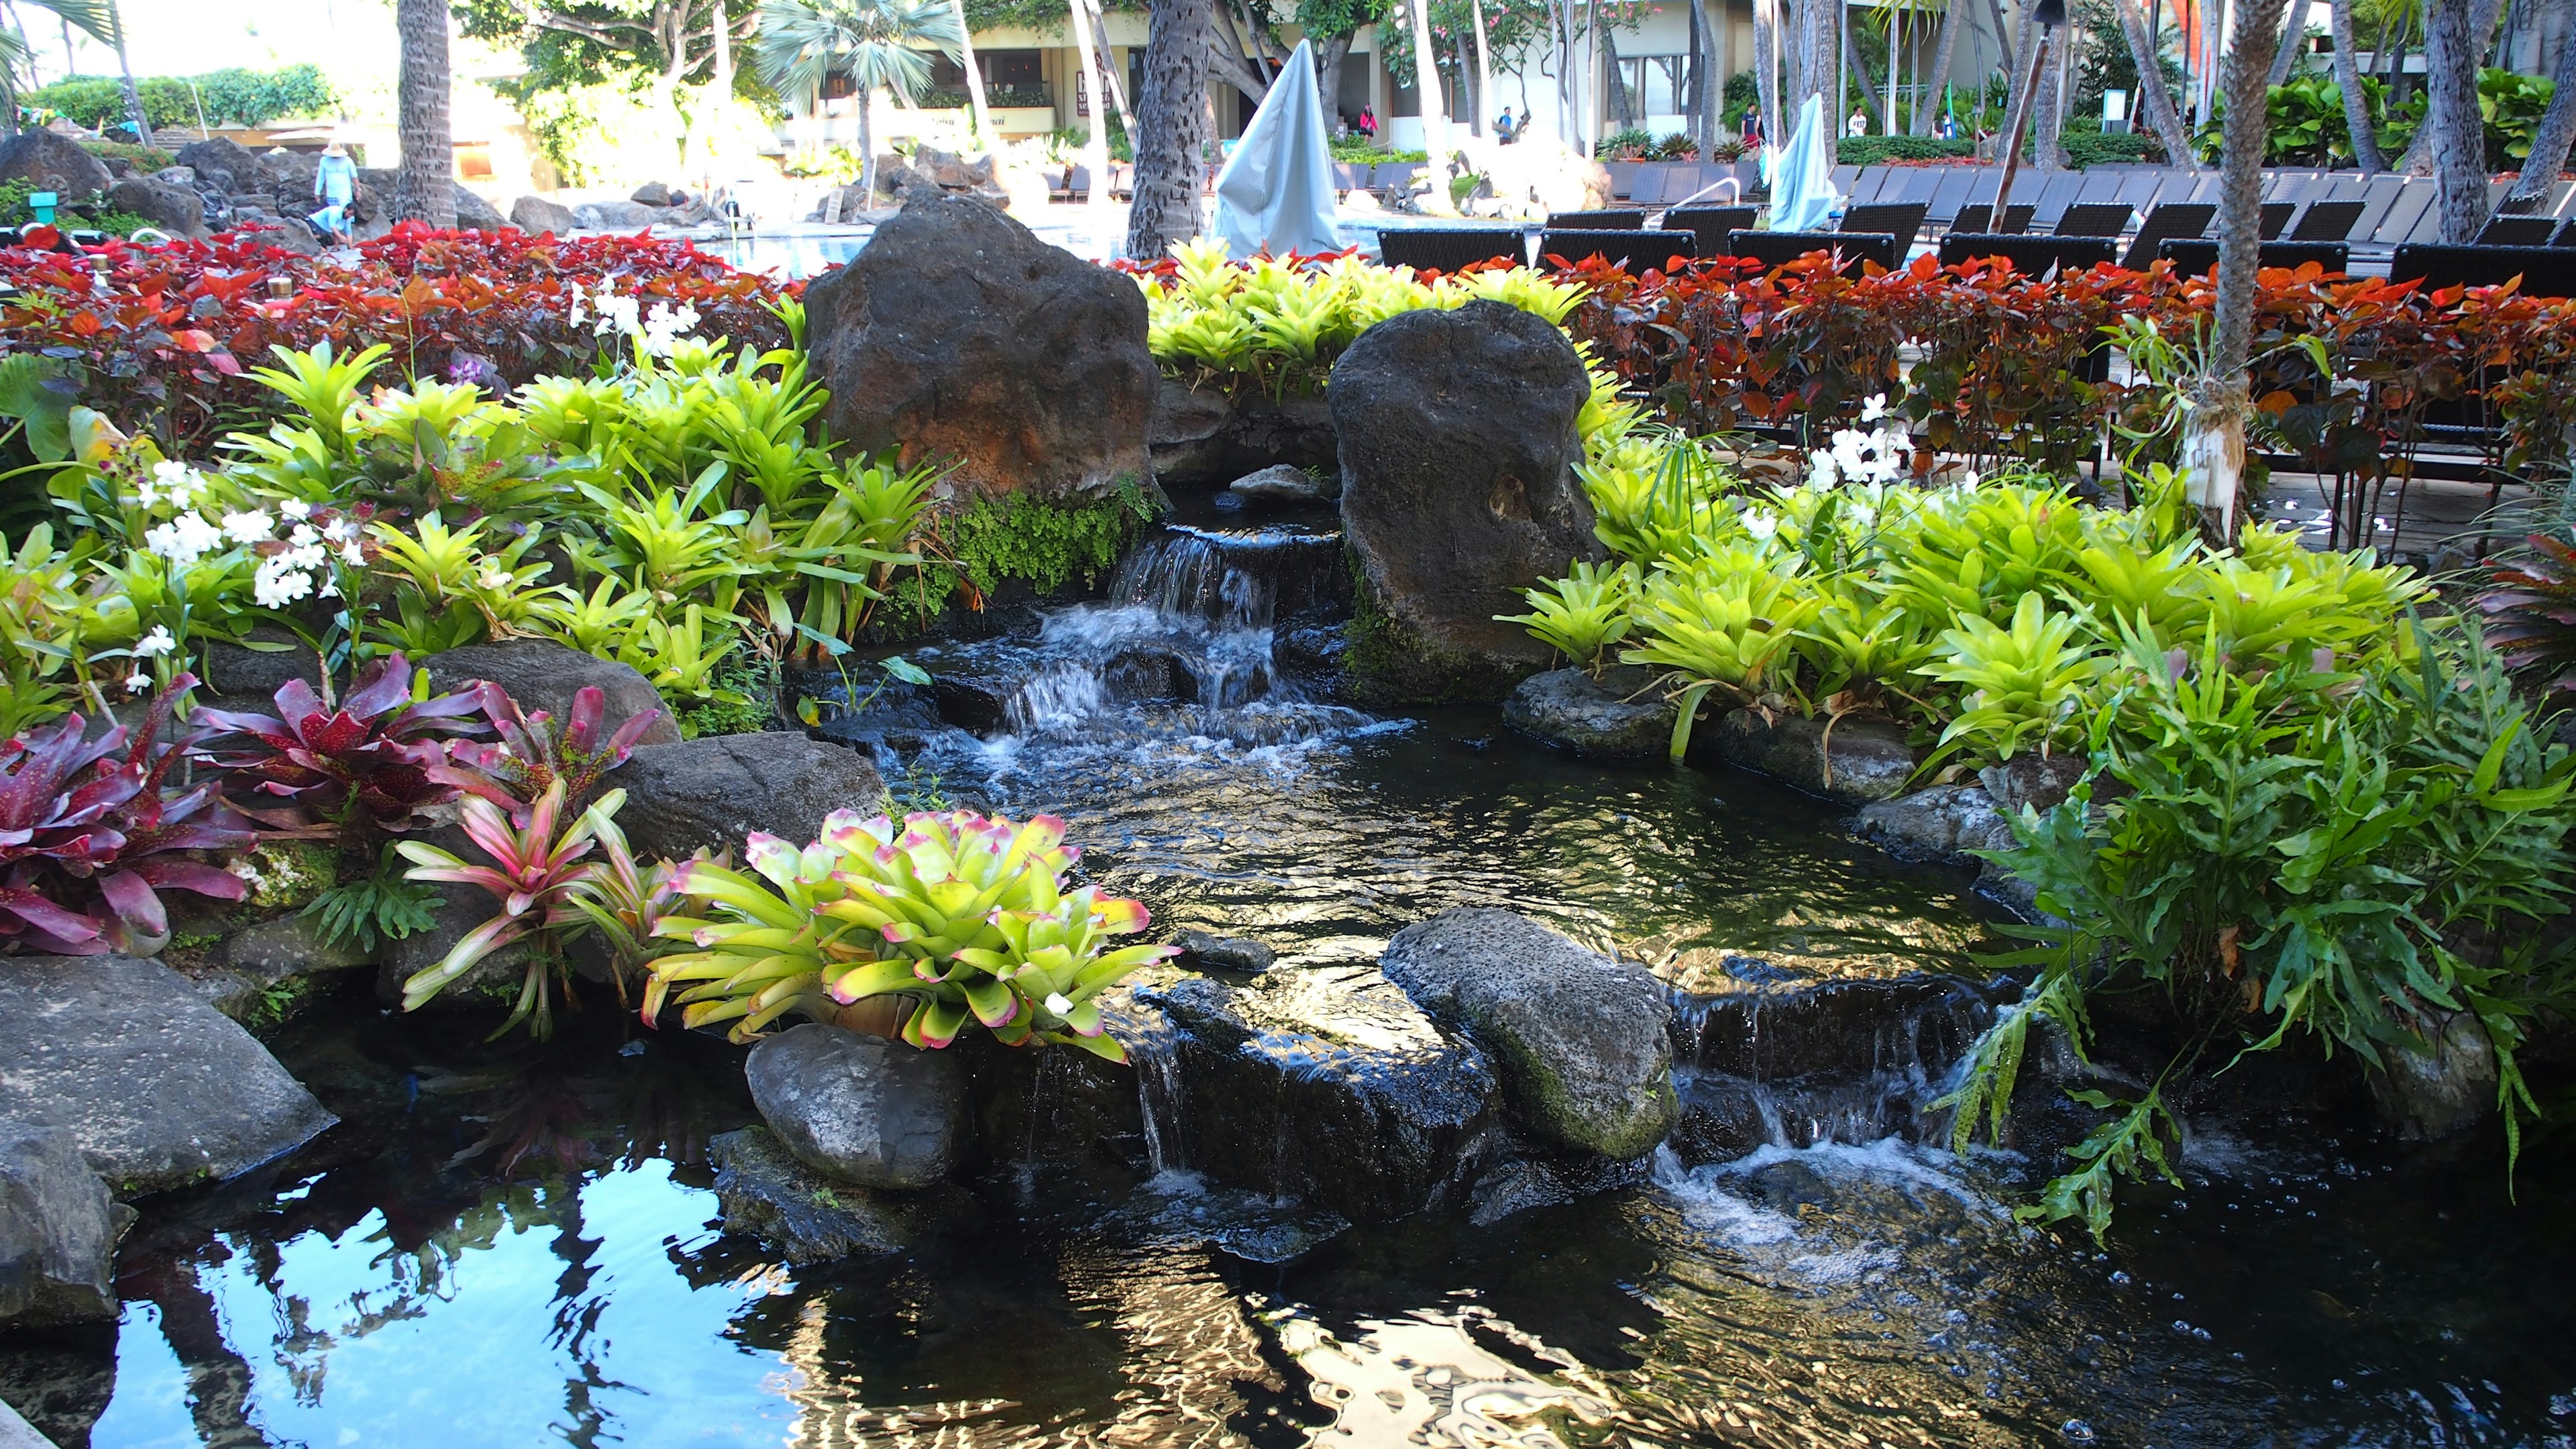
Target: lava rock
250, 678
861, 1109
1942, 823
2040, 782
1750, 1018
544, 675
959, 334
1326, 1085
712, 792
1619, 716
1457, 445
47, 162
617, 215
1225, 953
2427, 1096
158, 1088
58, 1231
770, 1195
1581, 1040
536, 216
1284, 483
185, 176
1204, 436
247, 173
473, 213
1869, 759
286, 947
175, 209
285, 236
60, 1379
651, 193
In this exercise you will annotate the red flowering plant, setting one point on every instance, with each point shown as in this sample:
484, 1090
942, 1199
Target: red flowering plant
91, 833
347, 767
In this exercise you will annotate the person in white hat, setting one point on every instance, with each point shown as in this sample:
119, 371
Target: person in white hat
335, 182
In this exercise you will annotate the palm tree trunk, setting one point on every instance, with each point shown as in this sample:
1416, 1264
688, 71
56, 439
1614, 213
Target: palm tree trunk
125, 70
2294, 31
867, 104
2048, 116
2356, 101
1766, 65
1095, 148
1943, 48
1484, 68
2557, 130
2482, 17
2153, 98
2451, 46
1434, 108
981, 113
425, 188
1111, 82
2214, 441
1170, 126
1859, 72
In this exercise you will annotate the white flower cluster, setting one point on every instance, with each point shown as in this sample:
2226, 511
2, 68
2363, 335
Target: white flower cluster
150, 646
289, 574
656, 332
295, 568
1882, 455
172, 482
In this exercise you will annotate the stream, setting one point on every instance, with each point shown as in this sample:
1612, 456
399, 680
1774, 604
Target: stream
508, 1245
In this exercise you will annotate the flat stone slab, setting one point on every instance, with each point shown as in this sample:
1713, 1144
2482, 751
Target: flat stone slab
159, 1089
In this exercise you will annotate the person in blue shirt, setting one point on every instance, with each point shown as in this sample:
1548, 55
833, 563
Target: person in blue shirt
1503, 127
335, 183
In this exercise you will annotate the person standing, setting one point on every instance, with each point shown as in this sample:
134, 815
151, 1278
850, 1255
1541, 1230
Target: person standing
1859, 123
1503, 127
335, 185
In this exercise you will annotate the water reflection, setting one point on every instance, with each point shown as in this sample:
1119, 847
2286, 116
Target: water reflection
451, 1278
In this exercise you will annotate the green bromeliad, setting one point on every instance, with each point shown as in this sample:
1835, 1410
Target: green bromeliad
966, 915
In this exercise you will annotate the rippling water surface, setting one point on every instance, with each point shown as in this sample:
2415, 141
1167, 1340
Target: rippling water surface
506, 1246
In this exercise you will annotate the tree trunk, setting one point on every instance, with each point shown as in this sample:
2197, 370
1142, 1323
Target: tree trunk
1330, 51
133, 94
976, 107
2294, 34
1095, 147
425, 187
1114, 85
2458, 148
2154, 101
1228, 62
2356, 102
867, 148
1766, 66
1935, 84
2048, 113
1859, 72
2214, 441
1434, 107
2557, 131
1170, 129
2020, 86
2482, 17
1484, 69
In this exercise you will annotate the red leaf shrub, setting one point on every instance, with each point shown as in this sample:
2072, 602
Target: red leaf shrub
163, 333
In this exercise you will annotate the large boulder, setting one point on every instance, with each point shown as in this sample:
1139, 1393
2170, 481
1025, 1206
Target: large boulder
958, 334
1620, 716
536, 216
285, 236
542, 674
476, 214
712, 792
1207, 435
1324, 1085
228, 165
1285, 483
812, 1218
617, 215
47, 162
58, 1231
263, 973
1457, 443
2425, 1096
1580, 1039
651, 193
1852, 760
861, 1109
157, 1088
175, 209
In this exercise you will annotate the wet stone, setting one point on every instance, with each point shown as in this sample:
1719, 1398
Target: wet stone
1750, 1018
1860, 760
861, 1109
1620, 716
811, 1218
1325, 1085
1224, 953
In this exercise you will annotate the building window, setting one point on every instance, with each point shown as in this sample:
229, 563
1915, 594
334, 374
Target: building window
1011, 78
1651, 85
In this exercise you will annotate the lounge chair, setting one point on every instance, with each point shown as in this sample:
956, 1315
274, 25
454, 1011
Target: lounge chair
2545, 271
1897, 219
2168, 221
2198, 256
1634, 250
2327, 221
1779, 248
1446, 249
2516, 231
1711, 224
2276, 218
2036, 256
1617, 219
2093, 218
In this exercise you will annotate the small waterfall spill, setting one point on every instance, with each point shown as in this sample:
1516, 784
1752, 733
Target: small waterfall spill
1156, 1060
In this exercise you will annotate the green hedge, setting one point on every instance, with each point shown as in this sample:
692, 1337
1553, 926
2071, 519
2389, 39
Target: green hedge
1871, 150
2092, 148
234, 97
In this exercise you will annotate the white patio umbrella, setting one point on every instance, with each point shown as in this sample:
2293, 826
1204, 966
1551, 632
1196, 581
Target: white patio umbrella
1276, 190
1802, 173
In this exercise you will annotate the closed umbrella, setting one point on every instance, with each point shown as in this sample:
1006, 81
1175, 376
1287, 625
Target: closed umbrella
1802, 174
1276, 191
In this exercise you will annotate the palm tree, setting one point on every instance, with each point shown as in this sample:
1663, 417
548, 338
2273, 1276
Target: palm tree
96, 19
2154, 100
1171, 126
2214, 441
876, 43
2356, 102
425, 187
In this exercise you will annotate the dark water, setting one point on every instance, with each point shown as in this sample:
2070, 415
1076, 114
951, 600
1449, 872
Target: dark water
515, 1247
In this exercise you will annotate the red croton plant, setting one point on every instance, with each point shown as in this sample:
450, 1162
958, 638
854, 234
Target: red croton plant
162, 334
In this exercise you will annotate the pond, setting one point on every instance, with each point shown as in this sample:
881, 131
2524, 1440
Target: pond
510, 1245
